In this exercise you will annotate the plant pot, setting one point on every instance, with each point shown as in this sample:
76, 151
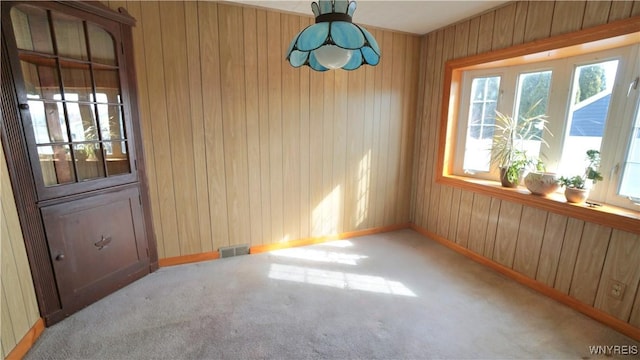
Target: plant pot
505, 181
576, 196
541, 183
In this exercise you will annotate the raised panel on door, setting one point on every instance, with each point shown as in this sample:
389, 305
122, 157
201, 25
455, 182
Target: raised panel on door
97, 244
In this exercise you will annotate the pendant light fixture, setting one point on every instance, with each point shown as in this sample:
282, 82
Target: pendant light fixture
334, 41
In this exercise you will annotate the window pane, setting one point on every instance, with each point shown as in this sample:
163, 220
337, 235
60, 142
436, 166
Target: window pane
77, 82
482, 114
69, 36
40, 81
587, 117
533, 100
630, 185
102, 45
89, 161
55, 162
31, 29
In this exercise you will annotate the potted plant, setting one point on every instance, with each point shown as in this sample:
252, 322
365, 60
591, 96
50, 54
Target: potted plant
508, 144
577, 187
540, 182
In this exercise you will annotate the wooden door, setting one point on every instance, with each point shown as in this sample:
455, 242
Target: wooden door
76, 127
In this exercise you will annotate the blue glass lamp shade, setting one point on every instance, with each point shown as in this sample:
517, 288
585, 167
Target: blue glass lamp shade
333, 42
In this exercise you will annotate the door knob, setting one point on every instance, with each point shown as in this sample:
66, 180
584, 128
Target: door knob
60, 257
24, 106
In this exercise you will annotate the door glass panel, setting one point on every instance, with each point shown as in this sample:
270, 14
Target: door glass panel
55, 162
102, 45
31, 28
48, 122
111, 124
82, 122
89, 161
77, 83
41, 81
70, 37
630, 185
117, 159
590, 98
108, 83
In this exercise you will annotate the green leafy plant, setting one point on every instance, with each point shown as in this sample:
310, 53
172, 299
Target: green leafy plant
590, 173
509, 137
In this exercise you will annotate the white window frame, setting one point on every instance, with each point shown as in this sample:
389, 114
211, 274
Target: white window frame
620, 118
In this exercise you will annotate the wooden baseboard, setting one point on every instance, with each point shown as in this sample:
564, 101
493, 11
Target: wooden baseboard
317, 240
596, 314
25, 344
187, 259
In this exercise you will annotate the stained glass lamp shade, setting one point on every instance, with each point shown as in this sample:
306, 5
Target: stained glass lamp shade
333, 42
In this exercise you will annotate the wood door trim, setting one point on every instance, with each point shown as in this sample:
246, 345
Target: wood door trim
598, 315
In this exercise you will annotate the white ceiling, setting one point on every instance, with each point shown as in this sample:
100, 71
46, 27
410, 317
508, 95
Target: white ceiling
417, 16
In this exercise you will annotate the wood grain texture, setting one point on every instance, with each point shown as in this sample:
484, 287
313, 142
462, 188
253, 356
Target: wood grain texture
478, 224
529, 242
551, 247
621, 265
538, 22
486, 29
596, 13
568, 254
492, 228
464, 218
591, 256
635, 313
567, 16
507, 233
454, 213
503, 26
17, 298
620, 10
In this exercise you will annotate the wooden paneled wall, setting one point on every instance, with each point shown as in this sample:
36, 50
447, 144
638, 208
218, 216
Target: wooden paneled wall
18, 299
243, 148
575, 257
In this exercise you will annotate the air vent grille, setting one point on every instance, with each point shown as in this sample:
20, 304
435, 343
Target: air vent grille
236, 250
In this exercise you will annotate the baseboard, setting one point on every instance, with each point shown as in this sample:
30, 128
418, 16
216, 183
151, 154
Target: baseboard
187, 259
317, 240
25, 344
596, 314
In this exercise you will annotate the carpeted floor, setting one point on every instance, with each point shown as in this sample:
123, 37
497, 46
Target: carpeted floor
390, 296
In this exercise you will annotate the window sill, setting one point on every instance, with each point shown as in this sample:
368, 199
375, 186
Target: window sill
607, 215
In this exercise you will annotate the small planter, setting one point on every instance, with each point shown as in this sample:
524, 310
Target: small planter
576, 196
505, 181
541, 184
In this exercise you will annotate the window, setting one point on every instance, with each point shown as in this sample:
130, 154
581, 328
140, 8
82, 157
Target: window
590, 101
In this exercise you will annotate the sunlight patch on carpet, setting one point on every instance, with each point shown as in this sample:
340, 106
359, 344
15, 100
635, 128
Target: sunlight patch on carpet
338, 279
320, 255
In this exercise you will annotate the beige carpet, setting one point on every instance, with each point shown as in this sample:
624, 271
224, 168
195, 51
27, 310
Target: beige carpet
389, 296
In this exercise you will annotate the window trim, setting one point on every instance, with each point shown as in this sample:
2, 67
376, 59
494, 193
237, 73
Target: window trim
598, 38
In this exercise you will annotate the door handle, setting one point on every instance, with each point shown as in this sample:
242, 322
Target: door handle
103, 242
60, 257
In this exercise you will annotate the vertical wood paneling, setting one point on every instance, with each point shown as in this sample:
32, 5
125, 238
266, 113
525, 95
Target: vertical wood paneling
507, 233
454, 213
492, 228
635, 313
252, 109
591, 255
529, 241
17, 295
173, 24
504, 24
567, 16
464, 218
444, 209
551, 248
520, 21
263, 114
620, 265
291, 135
211, 95
620, 10
568, 254
596, 13
538, 22
340, 113
478, 224
150, 16
376, 153
357, 159
197, 118
485, 37
303, 144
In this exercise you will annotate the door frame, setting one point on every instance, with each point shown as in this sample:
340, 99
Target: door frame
21, 174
